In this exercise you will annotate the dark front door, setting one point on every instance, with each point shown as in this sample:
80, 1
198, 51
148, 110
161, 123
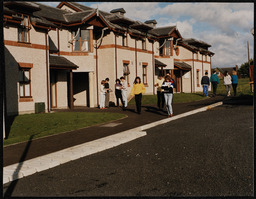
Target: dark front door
177, 79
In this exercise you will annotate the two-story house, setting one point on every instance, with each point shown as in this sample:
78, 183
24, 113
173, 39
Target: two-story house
58, 56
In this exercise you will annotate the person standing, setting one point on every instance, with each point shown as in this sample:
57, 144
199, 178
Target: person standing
106, 86
227, 82
168, 86
102, 95
138, 89
160, 94
214, 79
234, 79
124, 91
205, 82
118, 92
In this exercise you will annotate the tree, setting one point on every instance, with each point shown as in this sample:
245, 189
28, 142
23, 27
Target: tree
244, 68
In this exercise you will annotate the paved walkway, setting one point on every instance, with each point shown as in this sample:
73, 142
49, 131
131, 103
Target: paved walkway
27, 158
28, 150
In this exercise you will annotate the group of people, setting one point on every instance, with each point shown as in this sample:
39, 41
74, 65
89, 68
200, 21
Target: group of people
120, 92
165, 86
214, 79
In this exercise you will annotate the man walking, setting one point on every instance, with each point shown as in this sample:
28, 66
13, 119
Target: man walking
205, 82
214, 80
124, 91
160, 94
106, 87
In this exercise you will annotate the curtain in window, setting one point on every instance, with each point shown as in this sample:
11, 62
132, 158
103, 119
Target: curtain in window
126, 69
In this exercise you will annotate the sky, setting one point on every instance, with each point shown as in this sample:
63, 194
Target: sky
225, 26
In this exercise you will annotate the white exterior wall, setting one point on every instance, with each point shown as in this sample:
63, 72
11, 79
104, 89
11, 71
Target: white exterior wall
37, 57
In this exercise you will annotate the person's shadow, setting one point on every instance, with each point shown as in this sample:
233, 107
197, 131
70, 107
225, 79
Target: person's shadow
13, 184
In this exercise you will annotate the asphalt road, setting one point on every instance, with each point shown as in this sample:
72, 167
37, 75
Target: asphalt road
206, 154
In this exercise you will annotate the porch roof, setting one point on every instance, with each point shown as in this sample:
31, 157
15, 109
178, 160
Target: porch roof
182, 65
59, 62
159, 64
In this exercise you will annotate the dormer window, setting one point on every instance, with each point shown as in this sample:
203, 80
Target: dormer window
23, 30
82, 40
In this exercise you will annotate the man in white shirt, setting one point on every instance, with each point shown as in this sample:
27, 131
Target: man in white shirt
124, 91
160, 95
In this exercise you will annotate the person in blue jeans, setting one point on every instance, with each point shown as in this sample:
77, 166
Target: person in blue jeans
168, 86
205, 82
214, 79
234, 79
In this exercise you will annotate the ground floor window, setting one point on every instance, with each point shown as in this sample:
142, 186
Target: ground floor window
145, 81
25, 82
126, 72
197, 78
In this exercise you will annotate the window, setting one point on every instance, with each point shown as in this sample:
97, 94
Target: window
126, 72
145, 81
124, 40
24, 82
205, 57
197, 78
165, 50
143, 43
81, 40
23, 30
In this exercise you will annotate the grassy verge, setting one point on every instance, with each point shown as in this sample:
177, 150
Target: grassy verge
177, 98
243, 88
24, 127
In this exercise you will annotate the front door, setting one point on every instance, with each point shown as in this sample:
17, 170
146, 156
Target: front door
177, 79
53, 88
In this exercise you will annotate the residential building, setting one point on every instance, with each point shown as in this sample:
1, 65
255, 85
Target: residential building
58, 56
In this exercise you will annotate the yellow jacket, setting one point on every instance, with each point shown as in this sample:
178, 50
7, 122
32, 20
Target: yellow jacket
138, 88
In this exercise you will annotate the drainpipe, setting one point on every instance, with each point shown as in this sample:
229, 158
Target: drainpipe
154, 67
58, 38
47, 70
202, 66
97, 78
193, 66
136, 57
116, 56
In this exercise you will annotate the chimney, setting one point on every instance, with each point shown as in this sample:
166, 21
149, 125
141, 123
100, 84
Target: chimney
151, 23
119, 11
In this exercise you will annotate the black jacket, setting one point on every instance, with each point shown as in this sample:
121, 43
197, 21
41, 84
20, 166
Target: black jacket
168, 89
205, 80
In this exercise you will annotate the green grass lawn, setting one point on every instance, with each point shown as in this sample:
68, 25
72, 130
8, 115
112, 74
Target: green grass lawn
25, 127
243, 88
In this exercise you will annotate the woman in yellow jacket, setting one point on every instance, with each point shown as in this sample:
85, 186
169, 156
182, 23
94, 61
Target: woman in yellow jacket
138, 89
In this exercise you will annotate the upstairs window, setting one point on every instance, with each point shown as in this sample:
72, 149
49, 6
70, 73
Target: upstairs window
82, 40
24, 82
23, 30
165, 50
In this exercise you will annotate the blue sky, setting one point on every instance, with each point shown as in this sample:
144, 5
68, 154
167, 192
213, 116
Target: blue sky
225, 26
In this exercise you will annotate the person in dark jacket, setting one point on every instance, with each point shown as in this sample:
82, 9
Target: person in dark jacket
205, 82
214, 79
118, 92
168, 86
106, 87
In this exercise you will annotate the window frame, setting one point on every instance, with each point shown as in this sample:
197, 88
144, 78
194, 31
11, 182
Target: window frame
126, 76
80, 40
23, 83
144, 73
143, 44
197, 77
24, 28
124, 41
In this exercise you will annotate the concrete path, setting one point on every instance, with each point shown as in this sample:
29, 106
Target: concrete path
53, 159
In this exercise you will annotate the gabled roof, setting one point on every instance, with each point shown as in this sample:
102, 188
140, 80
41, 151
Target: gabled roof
25, 4
165, 31
197, 43
118, 10
78, 16
76, 6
